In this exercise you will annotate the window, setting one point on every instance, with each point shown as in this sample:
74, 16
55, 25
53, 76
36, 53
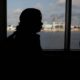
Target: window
75, 20
75, 26
53, 11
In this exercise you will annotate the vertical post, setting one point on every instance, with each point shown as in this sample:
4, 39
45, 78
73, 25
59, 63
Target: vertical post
68, 24
3, 21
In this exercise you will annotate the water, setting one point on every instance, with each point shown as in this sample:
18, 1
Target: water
55, 40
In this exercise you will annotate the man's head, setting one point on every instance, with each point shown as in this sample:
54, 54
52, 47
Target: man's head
30, 19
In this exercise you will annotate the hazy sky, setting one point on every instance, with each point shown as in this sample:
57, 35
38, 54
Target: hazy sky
49, 9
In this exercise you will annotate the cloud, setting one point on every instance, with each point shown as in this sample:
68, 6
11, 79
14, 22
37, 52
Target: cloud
13, 17
38, 6
74, 2
17, 11
61, 1
49, 11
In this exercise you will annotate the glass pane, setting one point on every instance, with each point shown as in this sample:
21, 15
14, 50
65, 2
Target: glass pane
53, 11
75, 27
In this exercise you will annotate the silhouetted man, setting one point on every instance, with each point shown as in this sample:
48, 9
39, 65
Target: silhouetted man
25, 38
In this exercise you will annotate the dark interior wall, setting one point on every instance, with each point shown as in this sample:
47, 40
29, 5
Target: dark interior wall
3, 20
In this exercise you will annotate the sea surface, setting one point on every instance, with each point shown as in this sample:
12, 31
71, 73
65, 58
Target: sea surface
55, 40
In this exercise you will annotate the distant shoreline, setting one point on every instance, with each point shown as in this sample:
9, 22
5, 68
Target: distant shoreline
57, 30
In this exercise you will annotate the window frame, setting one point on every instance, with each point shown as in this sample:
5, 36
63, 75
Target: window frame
68, 15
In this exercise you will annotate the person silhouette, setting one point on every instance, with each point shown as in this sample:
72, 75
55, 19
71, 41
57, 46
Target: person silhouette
25, 38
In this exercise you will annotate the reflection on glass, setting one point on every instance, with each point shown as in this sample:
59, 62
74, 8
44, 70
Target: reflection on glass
52, 33
75, 26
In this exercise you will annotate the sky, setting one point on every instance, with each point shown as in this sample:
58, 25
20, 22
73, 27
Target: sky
52, 10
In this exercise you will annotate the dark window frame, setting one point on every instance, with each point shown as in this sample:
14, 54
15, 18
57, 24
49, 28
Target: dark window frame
68, 13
